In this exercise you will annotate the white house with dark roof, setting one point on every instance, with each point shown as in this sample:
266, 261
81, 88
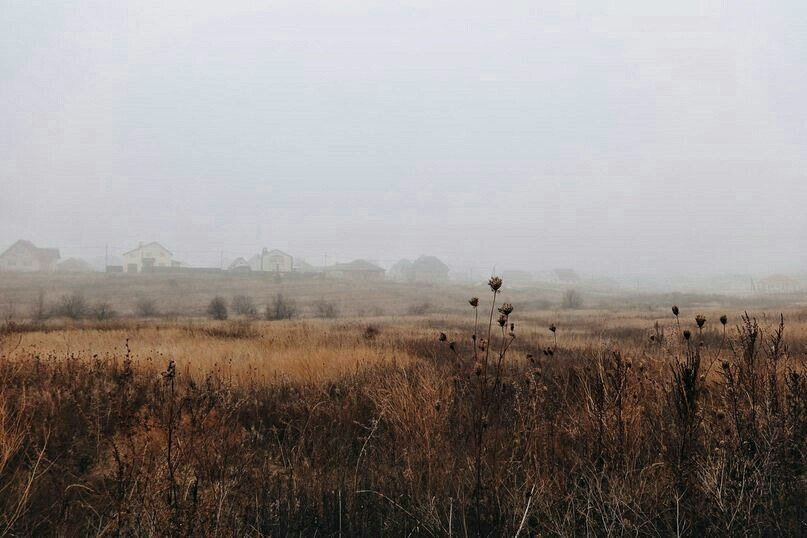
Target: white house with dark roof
25, 256
146, 256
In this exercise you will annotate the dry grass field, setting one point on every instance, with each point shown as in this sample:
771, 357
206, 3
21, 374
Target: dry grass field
603, 421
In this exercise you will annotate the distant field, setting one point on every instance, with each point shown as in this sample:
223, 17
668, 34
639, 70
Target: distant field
188, 294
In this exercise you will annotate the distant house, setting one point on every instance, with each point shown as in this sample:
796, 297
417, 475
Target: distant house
25, 256
428, 269
400, 271
239, 265
74, 265
148, 256
303, 267
778, 284
272, 261
358, 270
424, 269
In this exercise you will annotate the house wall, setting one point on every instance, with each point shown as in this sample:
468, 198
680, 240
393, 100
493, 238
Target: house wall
135, 260
19, 261
277, 263
23, 260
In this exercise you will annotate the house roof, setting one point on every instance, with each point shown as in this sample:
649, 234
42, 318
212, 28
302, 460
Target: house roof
401, 267
429, 264
153, 243
239, 262
355, 265
44, 255
275, 251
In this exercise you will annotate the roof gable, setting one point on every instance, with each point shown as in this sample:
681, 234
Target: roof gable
355, 265
429, 264
149, 245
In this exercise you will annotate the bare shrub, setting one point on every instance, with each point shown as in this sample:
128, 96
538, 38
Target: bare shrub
217, 309
146, 307
572, 299
103, 311
281, 307
243, 305
326, 309
72, 306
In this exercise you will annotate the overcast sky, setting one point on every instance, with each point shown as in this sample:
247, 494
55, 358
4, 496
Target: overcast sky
614, 137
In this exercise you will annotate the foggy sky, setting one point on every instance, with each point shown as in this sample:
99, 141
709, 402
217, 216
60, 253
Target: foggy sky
613, 137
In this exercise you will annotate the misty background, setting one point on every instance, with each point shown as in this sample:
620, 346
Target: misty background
617, 138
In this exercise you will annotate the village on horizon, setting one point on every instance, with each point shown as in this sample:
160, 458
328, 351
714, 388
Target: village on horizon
24, 256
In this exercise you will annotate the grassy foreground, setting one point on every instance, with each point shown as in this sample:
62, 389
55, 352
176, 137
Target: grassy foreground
610, 424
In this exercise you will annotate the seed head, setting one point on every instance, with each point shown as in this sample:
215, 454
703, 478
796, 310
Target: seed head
495, 283
443, 337
675, 310
474, 301
553, 328
452, 346
502, 320
506, 309
700, 320
724, 319
687, 334
725, 364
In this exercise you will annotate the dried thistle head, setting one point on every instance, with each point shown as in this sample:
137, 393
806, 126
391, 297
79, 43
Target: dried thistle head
675, 310
553, 328
452, 346
474, 301
506, 309
724, 319
687, 334
700, 320
443, 337
495, 283
502, 320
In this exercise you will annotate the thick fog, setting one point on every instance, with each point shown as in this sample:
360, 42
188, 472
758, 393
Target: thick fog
610, 137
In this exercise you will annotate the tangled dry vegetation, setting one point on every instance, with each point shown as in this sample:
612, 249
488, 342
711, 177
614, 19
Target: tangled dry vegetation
500, 427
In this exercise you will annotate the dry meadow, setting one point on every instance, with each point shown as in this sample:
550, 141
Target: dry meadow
461, 421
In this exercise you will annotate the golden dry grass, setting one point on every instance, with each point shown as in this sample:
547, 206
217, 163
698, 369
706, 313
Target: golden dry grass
369, 426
